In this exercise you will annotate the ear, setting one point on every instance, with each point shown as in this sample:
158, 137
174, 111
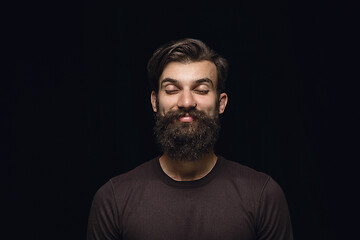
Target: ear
223, 99
153, 101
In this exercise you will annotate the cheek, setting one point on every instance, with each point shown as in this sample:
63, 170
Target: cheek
164, 106
209, 102
167, 101
210, 108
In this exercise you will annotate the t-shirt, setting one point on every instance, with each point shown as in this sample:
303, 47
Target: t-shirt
231, 202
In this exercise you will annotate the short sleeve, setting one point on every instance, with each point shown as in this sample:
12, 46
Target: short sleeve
273, 215
103, 221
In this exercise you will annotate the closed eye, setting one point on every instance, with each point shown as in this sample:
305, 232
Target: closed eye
203, 92
202, 89
173, 91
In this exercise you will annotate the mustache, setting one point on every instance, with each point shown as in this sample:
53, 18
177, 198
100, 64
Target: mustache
176, 114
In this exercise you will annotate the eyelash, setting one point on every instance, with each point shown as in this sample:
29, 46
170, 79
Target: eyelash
171, 91
203, 92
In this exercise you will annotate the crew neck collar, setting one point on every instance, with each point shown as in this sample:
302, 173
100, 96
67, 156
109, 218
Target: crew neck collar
187, 184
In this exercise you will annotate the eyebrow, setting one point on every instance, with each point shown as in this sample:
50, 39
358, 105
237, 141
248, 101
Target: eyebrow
174, 81
206, 80
170, 80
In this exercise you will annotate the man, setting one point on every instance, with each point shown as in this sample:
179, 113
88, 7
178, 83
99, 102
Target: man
189, 192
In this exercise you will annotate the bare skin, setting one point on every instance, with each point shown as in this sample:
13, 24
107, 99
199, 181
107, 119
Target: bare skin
188, 85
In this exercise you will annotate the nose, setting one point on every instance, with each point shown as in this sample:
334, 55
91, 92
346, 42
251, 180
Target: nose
186, 100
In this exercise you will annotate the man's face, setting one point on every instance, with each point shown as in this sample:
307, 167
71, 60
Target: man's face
187, 86
187, 108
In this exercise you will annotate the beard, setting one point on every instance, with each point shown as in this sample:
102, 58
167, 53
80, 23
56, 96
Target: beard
186, 141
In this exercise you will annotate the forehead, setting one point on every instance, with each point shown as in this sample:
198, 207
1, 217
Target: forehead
190, 71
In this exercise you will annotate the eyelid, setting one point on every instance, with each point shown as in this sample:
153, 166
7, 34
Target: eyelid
202, 87
202, 91
170, 85
171, 92
171, 88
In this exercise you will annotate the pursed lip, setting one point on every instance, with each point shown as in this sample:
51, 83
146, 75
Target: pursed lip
186, 118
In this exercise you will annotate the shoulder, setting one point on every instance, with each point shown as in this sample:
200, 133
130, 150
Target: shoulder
262, 194
252, 183
142, 171
110, 199
123, 182
242, 173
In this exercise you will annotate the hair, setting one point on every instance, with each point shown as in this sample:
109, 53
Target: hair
185, 50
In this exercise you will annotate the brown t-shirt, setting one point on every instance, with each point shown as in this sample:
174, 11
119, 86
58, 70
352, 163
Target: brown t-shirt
231, 202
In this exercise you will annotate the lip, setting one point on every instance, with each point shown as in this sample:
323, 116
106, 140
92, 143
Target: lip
186, 118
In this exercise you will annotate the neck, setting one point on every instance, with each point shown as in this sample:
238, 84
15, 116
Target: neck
188, 170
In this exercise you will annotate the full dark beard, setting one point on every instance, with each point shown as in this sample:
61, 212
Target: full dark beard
186, 141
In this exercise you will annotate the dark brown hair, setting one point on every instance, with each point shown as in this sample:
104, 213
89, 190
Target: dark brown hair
185, 50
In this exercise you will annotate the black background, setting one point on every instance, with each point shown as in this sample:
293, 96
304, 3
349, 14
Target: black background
77, 109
